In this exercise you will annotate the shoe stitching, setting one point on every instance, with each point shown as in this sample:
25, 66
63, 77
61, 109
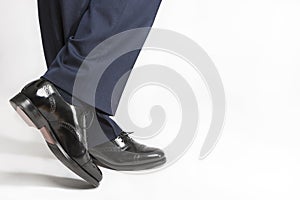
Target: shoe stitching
110, 149
71, 128
52, 104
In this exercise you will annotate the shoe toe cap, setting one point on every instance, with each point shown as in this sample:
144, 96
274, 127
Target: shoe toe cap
93, 170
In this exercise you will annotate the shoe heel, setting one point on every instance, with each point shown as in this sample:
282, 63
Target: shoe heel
31, 115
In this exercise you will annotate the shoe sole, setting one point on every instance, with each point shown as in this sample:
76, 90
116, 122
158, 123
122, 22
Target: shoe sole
140, 167
32, 116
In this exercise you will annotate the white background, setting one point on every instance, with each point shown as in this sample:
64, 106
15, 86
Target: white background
255, 45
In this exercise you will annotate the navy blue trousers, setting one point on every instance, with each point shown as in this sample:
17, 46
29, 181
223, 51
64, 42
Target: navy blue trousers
71, 29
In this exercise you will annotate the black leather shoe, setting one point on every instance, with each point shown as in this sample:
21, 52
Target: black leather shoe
125, 154
62, 125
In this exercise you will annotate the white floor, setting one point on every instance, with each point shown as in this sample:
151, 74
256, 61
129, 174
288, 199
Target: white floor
255, 45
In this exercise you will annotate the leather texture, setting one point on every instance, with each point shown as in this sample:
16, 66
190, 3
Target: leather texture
124, 153
68, 123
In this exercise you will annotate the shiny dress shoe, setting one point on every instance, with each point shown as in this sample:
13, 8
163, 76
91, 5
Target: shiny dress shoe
125, 154
61, 124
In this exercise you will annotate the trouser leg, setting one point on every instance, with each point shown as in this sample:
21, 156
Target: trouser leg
101, 20
72, 28
59, 20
